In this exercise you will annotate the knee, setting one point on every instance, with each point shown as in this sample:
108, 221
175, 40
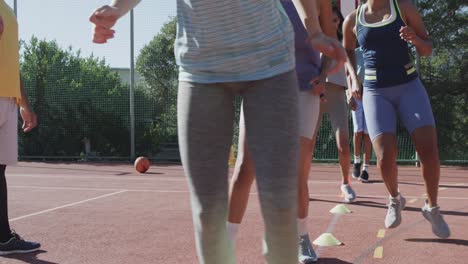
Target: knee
343, 147
428, 151
358, 134
386, 160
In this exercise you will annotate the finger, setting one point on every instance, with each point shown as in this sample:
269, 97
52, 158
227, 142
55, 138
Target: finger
26, 126
99, 40
104, 31
105, 36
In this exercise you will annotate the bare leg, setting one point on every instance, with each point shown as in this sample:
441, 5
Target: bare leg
425, 141
342, 143
385, 146
357, 141
305, 159
367, 149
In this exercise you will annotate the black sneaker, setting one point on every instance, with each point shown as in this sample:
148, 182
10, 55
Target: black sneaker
364, 176
16, 244
356, 170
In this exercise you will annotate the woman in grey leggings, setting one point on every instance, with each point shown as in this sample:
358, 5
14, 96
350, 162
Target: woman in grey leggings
224, 49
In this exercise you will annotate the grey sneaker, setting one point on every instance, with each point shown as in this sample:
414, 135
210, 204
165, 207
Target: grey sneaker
306, 251
393, 218
349, 194
16, 244
439, 226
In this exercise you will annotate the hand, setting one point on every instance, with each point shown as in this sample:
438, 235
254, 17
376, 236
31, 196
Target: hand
1, 27
407, 34
352, 103
356, 90
329, 47
104, 18
29, 119
318, 87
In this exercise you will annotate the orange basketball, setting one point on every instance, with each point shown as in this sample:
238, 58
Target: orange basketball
142, 164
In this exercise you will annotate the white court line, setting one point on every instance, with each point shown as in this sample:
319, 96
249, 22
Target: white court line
186, 191
156, 178
75, 177
66, 205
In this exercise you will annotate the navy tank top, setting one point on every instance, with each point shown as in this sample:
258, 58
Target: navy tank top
387, 58
307, 59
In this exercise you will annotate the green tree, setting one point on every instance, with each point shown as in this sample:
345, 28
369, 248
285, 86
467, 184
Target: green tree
156, 63
75, 98
445, 73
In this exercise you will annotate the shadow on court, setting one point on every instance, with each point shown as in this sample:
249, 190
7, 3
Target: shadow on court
458, 242
31, 258
331, 261
384, 206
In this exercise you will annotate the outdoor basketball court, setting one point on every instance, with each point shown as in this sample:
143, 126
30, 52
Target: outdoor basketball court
96, 213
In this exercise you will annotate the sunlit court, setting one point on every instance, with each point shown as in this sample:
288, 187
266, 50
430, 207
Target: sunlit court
108, 213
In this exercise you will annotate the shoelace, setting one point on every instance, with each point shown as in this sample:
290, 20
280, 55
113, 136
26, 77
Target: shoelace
304, 246
15, 235
392, 206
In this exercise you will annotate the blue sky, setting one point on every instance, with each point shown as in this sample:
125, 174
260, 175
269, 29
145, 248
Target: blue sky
66, 21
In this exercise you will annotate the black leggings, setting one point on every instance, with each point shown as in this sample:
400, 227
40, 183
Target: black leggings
5, 232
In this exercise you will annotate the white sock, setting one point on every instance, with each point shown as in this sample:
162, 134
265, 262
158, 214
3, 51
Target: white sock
397, 197
302, 226
232, 229
365, 166
357, 159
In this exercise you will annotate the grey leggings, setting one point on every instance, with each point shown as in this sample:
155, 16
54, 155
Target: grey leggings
205, 123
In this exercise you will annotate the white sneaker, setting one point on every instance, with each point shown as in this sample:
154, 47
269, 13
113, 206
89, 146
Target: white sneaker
393, 217
349, 194
439, 226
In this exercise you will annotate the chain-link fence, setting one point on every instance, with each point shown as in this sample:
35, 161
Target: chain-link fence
81, 91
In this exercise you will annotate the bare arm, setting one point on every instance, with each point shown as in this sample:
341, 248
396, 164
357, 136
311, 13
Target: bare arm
349, 42
24, 97
308, 13
325, 14
124, 5
1, 27
27, 114
330, 47
415, 32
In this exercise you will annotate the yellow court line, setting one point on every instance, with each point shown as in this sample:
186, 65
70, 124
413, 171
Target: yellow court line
381, 233
424, 194
460, 184
412, 200
443, 188
378, 252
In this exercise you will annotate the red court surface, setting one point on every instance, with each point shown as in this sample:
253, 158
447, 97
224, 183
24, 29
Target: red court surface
106, 213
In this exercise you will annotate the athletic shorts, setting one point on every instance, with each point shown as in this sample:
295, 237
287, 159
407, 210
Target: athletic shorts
336, 107
8, 131
359, 121
409, 100
309, 110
